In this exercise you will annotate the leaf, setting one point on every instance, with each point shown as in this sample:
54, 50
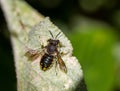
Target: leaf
29, 75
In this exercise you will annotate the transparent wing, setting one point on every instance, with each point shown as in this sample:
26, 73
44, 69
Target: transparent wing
32, 54
61, 63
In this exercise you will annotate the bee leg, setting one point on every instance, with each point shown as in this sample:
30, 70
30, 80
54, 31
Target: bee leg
42, 46
61, 52
56, 66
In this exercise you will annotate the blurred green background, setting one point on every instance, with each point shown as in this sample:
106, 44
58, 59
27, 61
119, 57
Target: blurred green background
93, 26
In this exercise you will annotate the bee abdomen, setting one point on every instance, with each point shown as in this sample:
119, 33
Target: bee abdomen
46, 61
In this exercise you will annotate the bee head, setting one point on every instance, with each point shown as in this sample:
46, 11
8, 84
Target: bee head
53, 42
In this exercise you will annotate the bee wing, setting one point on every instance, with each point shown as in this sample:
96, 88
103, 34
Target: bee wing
32, 54
61, 64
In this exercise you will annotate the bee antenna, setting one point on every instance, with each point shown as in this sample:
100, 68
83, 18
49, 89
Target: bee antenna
57, 35
51, 34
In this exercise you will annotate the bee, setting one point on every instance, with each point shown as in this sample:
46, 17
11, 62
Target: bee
51, 53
